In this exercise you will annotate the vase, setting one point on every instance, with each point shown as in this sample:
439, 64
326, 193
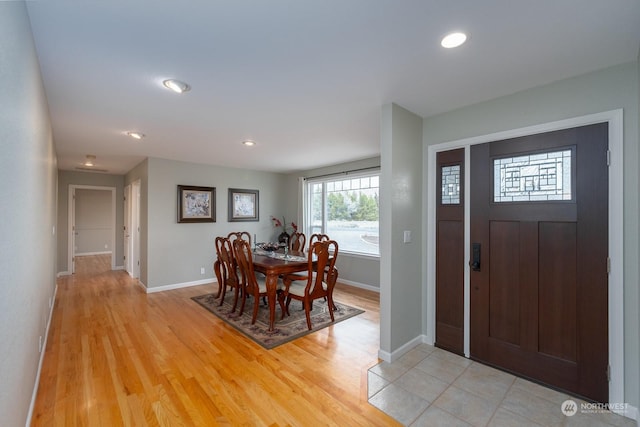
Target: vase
283, 237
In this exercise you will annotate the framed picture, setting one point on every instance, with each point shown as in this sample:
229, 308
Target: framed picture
196, 204
243, 205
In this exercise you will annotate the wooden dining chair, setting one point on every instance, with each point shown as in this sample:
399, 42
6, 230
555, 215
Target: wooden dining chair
317, 283
297, 241
317, 237
226, 271
244, 235
249, 282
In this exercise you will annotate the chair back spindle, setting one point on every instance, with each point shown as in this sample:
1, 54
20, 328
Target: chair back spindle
242, 235
317, 237
297, 241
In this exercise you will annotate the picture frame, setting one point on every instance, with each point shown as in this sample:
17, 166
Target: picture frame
196, 204
243, 205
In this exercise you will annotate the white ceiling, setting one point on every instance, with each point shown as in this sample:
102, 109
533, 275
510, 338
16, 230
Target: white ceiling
305, 79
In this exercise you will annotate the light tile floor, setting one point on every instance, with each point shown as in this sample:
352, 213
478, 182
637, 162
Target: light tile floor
432, 387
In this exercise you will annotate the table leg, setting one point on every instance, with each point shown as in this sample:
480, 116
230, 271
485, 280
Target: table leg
272, 284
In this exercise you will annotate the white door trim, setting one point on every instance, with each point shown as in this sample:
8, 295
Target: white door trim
128, 266
616, 230
71, 223
135, 226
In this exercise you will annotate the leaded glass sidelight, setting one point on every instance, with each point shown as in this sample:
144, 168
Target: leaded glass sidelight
450, 185
535, 177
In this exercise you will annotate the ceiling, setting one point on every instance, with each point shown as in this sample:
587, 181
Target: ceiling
304, 79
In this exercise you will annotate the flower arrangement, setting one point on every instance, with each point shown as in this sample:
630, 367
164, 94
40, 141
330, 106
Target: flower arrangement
285, 227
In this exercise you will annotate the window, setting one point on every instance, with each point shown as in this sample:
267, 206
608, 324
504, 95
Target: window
534, 177
346, 209
450, 185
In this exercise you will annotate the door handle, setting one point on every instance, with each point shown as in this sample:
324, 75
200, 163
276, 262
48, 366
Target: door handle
475, 260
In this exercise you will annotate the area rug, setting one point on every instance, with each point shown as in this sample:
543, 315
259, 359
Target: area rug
287, 329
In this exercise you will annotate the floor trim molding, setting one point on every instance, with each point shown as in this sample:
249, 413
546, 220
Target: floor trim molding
179, 285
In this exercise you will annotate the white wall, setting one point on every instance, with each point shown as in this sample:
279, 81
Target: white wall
28, 196
605, 90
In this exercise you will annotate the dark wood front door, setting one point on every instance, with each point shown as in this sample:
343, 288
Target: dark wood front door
450, 251
539, 294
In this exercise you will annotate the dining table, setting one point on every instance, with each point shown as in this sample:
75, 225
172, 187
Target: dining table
273, 265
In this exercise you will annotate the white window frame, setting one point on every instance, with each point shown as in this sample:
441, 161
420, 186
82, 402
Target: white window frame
308, 200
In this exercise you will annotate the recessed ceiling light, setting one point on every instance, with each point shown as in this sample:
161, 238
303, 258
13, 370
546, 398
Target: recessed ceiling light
249, 143
90, 160
453, 40
176, 85
136, 135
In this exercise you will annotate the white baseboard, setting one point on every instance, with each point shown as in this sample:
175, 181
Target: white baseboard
93, 253
631, 412
179, 285
397, 354
359, 285
118, 267
44, 347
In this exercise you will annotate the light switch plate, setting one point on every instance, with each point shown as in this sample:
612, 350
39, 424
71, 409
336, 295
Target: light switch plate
407, 236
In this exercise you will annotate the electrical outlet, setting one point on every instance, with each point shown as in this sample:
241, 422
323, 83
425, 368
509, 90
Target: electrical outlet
201, 270
106, 246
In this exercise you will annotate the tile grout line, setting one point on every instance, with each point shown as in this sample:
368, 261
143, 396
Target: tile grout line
495, 411
451, 385
441, 393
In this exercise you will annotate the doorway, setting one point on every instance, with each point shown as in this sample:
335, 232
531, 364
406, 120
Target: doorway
92, 223
614, 296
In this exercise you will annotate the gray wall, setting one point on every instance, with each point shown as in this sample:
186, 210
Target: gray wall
354, 269
401, 209
94, 221
176, 252
27, 230
67, 178
605, 90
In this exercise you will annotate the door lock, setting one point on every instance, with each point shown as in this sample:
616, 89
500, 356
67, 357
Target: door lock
475, 260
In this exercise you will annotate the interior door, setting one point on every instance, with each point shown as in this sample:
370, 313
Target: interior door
539, 215
73, 233
450, 251
135, 228
127, 230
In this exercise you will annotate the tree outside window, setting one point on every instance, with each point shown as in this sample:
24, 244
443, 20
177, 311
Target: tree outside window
346, 209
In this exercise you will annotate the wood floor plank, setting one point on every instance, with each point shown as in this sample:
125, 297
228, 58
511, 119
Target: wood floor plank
118, 356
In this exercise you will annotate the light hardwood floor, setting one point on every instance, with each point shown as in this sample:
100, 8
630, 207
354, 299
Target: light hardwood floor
118, 356
92, 264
